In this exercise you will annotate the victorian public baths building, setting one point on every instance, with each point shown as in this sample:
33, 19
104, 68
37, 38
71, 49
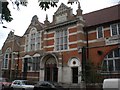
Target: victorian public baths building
52, 51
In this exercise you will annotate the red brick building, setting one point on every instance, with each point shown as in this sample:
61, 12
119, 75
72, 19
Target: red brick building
52, 51
103, 36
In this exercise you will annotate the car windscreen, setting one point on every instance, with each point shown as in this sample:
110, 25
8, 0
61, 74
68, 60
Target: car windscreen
27, 83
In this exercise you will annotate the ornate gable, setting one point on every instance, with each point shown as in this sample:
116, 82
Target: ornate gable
61, 9
62, 14
35, 24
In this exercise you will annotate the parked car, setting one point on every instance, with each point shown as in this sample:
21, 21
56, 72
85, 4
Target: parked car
22, 85
111, 84
4, 83
48, 84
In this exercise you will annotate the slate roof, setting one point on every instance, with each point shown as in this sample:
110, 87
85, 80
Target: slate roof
102, 16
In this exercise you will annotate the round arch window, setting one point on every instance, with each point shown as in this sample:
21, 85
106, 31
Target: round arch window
73, 62
112, 61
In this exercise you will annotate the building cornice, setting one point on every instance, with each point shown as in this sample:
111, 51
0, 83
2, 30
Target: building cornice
62, 24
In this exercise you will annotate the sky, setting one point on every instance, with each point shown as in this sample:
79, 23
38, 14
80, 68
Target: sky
22, 18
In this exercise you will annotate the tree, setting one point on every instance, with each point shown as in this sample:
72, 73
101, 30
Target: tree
44, 4
92, 75
6, 15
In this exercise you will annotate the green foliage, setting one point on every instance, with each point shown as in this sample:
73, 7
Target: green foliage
46, 5
69, 2
6, 15
91, 75
51, 3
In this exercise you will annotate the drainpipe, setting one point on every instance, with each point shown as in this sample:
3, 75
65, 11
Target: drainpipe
87, 51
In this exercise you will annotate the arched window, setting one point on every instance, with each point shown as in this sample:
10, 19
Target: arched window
33, 40
7, 56
111, 62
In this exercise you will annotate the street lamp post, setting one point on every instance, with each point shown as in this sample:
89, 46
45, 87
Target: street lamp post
9, 28
12, 52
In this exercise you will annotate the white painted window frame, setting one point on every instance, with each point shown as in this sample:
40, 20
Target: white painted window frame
113, 59
98, 32
60, 40
36, 42
111, 29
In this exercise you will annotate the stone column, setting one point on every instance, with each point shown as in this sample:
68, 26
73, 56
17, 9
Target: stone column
41, 74
79, 74
60, 76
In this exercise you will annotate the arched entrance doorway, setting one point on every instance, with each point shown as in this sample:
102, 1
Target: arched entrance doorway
51, 70
75, 66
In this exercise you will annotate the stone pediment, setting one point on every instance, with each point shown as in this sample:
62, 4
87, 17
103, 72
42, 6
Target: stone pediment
62, 8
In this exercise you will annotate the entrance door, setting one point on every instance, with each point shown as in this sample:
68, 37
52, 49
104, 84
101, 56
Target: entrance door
74, 74
51, 70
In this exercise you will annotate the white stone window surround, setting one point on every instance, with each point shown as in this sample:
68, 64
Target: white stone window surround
5, 65
111, 58
61, 39
98, 32
74, 62
117, 29
32, 40
23, 61
6, 61
31, 63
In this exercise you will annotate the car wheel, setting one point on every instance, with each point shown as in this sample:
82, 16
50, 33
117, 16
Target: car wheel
3, 87
11, 88
23, 88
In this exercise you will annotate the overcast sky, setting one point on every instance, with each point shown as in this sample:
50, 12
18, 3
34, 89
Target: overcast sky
22, 18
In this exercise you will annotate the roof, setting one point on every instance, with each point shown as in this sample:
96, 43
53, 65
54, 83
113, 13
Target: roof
102, 16
34, 23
